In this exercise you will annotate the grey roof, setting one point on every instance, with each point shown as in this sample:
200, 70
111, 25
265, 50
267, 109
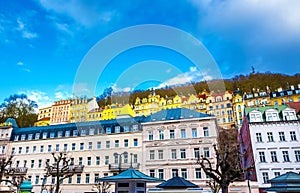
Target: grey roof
177, 182
130, 174
174, 114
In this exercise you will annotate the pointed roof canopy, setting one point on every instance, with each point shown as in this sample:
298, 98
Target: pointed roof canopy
177, 182
288, 182
130, 174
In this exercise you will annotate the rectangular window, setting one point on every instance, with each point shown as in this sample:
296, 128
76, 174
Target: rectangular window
92, 132
81, 146
173, 154
87, 178
98, 144
172, 134
75, 133
150, 135
40, 163
14, 149
135, 142
117, 129
27, 149
90, 145
106, 160
32, 164
160, 154
117, 143
125, 158
285, 155
205, 132
206, 152
73, 146
281, 136
151, 155
135, 158
262, 157
59, 134
20, 150
30, 136
197, 153
161, 134
83, 132
107, 144
276, 174
97, 160
184, 173
174, 173
80, 161
297, 155
152, 173
274, 156
89, 161
37, 179
265, 177
194, 133
78, 178
37, 136
96, 178
135, 128
182, 154
52, 134
126, 128
67, 134
183, 133
161, 173
293, 136
125, 142
42, 149
44, 135
65, 147
57, 147
270, 137
258, 137
49, 148
198, 173
108, 130
70, 180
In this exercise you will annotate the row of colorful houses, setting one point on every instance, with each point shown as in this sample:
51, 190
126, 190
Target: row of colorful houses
227, 107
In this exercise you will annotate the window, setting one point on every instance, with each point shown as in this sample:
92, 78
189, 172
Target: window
97, 160
44, 135
96, 178
173, 154
150, 135
293, 136
27, 149
205, 132
83, 132
89, 161
161, 134
151, 155
20, 150
108, 130
92, 132
135, 142
75, 133
297, 155
135, 158
172, 134
78, 178
183, 133
258, 137
57, 147
160, 154
125, 142
98, 144
270, 136
285, 155
14, 149
80, 161
125, 158
194, 133
265, 177
65, 147
81, 146
126, 128
273, 156
90, 145
198, 173
40, 163
87, 178
30, 136
49, 148
135, 128
197, 152
182, 154
117, 129
59, 134
161, 173
67, 134
106, 162
37, 136
174, 173
276, 174
23, 136
37, 179
206, 152
117, 143
42, 149
152, 173
73, 146
184, 173
16, 138
262, 157
25, 163
281, 136
70, 180
32, 164
52, 134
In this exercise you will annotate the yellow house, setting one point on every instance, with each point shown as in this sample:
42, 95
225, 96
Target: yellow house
80, 109
44, 116
147, 106
281, 97
238, 108
112, 111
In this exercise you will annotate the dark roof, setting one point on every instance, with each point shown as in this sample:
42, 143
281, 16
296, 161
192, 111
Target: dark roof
130, 174
174, 114
177, 182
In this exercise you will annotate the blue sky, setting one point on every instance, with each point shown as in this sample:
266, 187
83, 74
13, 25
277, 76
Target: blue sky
43, 42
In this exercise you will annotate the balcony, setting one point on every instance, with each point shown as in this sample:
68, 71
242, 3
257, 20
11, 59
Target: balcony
115, 167
17, 170
76, 169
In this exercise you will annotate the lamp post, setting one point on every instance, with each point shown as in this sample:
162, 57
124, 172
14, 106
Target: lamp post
120, 160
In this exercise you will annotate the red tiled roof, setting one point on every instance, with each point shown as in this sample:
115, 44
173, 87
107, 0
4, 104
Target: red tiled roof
294, 105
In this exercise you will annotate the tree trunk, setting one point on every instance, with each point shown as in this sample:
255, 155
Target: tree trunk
224, 189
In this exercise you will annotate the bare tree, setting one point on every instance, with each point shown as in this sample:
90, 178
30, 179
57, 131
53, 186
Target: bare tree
60, 169
101, 187
227, 167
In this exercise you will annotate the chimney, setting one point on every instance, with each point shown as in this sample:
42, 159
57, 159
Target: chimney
292, 87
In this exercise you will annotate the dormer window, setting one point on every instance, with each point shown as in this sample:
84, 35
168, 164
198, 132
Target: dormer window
272, 115
289, 114
255, 116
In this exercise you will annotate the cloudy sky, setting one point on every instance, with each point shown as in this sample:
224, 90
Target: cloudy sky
44, 42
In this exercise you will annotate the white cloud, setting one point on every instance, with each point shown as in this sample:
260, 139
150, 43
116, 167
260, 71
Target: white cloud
26, 69
39, 97
193, 69
20, 63
117, 89
24, 31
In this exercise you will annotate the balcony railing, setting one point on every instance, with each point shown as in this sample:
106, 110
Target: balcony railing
72, 169
123, 166
17, 170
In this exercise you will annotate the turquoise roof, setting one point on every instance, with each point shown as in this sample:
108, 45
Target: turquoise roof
287, 177
130, 174
288, 182
26, 185
177, 182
